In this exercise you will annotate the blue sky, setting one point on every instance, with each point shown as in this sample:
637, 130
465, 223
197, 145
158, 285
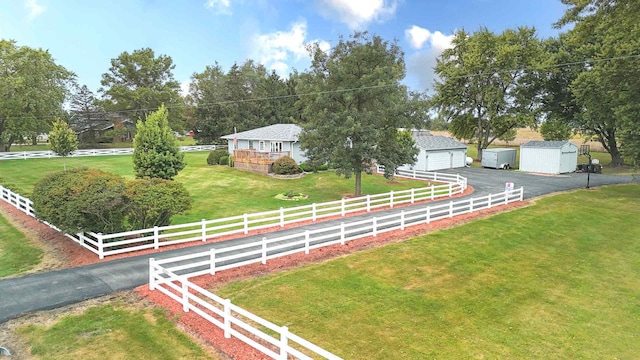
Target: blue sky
84, 35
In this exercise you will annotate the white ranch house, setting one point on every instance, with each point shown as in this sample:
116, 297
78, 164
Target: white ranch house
257, 149
437, 152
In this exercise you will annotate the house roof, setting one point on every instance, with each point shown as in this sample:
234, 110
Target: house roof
437, 142
277, 132
545, 144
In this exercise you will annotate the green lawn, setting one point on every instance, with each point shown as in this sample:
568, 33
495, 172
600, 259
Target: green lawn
559, 279
217, 191
17, 255
111, 332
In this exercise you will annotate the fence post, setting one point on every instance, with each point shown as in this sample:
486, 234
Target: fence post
227, 318
342, 233
450, 209
521, 193
100, 246
450, 189
368, 203
375, 226
212, 267
246, 224
489, 201
313, 212
471, 205
185, 295
343, 207
433, 192
428, 214
506, 197
391, 199
152, 275
306, 242
156, 241
284, 337
281, 217
204, 230
414, 173
402, 220
264, 250
413, 195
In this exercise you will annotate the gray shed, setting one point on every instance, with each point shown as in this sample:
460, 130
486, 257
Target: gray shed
548, 157
437, 152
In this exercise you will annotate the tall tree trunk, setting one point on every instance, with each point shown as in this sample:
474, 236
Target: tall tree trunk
358, 183
616, 156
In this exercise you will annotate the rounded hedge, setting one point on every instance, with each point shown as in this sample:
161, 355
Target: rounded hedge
224, 160
286, 166
215, 155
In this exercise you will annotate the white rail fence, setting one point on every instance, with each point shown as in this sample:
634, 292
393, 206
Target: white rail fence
153, 238
272, 340
171, 276
47, 154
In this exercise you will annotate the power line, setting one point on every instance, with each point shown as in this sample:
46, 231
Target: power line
228, 102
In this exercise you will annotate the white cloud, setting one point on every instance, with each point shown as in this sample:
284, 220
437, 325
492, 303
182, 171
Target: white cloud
275, 49
34, 8
219, 6
420, 64
358, 13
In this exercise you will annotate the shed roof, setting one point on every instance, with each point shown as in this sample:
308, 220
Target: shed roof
437, 142
545, 144
279, 132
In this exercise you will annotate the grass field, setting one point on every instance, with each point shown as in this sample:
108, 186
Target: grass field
217, 191
111, 332
560, 279
17, 255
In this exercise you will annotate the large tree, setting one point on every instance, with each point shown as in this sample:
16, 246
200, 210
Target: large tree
86, 114
32, 90
138, 83
607, 34
488, 84
354, 106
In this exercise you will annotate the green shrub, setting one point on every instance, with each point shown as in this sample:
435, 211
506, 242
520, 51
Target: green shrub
81, 200
152, 202
286, 166
224, 160
215, 155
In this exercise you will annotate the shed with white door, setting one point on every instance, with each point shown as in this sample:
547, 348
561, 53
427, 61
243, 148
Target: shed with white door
437, 152
548, 157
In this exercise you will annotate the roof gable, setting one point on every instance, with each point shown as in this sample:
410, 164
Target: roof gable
276, 132
545, 144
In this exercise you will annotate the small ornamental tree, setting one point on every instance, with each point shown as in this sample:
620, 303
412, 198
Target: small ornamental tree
62, 139
152, 202
81, 200
155, 153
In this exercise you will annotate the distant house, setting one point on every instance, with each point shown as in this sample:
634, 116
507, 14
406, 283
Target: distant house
437, 152
257, 149
548, 157
103, 129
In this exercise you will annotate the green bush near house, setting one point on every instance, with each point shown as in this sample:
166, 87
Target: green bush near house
215, 155
224, 160
286, 166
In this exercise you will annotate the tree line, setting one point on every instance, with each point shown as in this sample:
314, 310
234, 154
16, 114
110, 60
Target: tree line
351, 100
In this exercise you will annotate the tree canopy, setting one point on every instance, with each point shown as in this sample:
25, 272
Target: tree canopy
606, 34
62, 139
138, 83
32, 90
87, 115
488, 84
155, 153
356, 106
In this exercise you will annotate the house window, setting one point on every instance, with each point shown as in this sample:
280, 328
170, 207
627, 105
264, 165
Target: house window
276, 146
251, 144
261, 146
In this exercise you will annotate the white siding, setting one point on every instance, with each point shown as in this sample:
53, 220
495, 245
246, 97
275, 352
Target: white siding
438, 160
568, 158
549, 160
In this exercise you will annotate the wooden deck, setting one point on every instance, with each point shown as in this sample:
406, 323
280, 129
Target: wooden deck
256, 161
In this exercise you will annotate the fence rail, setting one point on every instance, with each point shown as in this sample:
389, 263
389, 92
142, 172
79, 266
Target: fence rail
156, 237
272, 340
47, 154
171, 276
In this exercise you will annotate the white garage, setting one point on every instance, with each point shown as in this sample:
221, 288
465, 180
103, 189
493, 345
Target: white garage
548, 157
437, 153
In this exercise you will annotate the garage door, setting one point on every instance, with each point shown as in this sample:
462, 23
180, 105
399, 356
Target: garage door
438, 161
